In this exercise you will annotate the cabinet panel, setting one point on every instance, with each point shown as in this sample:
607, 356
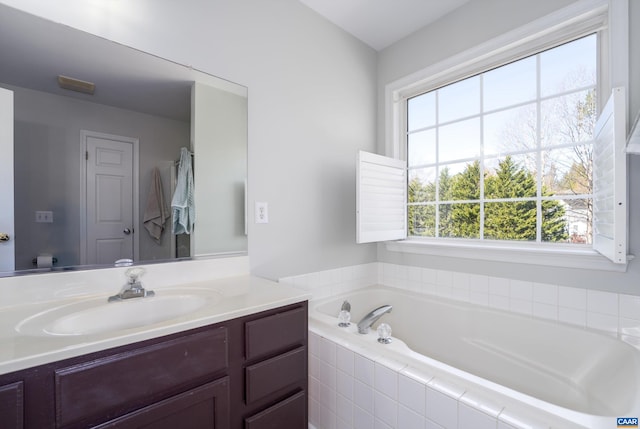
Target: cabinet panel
270, 376
290, 413
275, 333
113, 385
12, 406
206, 407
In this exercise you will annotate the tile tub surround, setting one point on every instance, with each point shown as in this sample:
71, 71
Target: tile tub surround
333, 383
615, 314
511, 370
353, 389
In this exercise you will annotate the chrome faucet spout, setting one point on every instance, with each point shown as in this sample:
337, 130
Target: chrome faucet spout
133, 288
372, 317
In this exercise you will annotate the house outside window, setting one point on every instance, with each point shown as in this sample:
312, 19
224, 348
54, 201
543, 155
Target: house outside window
507, 154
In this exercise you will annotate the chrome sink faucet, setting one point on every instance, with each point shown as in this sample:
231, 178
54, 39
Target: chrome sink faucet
133, 288
365, 324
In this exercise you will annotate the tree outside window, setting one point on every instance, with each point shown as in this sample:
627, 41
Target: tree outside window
507, 154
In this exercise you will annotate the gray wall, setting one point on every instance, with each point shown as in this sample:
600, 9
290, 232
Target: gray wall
313, 91
47, 159
312, 101
474, 23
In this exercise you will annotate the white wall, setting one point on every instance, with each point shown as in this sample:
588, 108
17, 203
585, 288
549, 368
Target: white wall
311, 107
47, 153
474, 23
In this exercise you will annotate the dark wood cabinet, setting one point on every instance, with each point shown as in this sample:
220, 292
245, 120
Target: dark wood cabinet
275, 370
289, 413
205, 407
249, 372
12, 405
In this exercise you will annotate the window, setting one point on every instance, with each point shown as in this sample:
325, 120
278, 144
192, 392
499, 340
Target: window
507, 154
521, 120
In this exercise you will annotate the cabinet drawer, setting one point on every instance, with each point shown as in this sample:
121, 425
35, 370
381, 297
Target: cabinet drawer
12, 405
114, 385
206, 407
275, 333
290, 413
270, 376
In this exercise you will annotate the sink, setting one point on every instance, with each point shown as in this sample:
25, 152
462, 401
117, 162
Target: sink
96, 315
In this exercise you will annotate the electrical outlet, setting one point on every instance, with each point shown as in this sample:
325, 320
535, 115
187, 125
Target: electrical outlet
262, 212
44, 217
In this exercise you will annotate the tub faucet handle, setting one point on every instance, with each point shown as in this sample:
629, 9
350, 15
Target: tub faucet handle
344, 319
384, 333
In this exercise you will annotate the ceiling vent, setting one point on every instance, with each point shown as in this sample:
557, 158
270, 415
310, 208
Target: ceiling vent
77, 85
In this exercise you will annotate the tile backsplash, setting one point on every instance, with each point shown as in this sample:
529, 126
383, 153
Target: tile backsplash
612, 313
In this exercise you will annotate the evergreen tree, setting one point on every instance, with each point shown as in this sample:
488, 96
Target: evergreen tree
445, 187
516, 220
511, 220
421, 218
466, 216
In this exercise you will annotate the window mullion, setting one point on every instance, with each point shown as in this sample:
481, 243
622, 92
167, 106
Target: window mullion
436, 232
539, 164
481, 181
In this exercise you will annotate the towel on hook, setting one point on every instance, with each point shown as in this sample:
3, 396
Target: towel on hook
156, 213
182, 204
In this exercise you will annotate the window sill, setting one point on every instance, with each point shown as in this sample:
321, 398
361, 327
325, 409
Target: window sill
521, 253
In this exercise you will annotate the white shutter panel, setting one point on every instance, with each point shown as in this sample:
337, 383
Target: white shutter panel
610, 180
633, 143
381, 198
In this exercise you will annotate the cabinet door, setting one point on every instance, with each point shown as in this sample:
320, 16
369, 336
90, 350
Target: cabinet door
11, 406
276, 333
91, 392
205, 407
278, 375
290, 414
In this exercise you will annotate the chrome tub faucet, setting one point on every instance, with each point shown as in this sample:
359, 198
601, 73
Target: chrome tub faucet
365, 324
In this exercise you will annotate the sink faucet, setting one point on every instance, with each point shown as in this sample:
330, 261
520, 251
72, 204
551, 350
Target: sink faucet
372, 317
133, 288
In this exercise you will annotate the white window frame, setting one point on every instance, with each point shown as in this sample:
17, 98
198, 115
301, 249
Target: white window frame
609, 19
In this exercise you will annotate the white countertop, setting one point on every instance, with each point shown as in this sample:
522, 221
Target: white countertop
240, 296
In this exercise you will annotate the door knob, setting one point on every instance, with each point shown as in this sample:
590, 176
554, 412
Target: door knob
4, 237
127, 231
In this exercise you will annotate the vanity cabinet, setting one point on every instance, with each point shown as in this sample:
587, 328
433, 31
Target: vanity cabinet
12, 405
275, 370
249, 372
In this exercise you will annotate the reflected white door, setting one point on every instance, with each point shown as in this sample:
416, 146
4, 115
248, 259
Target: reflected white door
7, 248
109, 198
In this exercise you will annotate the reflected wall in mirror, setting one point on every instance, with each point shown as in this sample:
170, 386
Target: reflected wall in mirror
155, 106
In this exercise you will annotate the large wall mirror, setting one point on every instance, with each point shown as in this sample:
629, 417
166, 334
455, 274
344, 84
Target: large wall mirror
68, 144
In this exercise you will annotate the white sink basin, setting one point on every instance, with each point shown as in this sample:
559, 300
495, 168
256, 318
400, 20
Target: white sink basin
96, 315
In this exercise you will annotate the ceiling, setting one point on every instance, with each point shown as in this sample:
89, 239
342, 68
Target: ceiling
35, 51
380, 23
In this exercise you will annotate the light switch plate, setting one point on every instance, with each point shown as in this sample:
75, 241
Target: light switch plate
262, 212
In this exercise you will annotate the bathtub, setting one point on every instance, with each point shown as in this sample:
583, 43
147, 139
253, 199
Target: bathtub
556, 375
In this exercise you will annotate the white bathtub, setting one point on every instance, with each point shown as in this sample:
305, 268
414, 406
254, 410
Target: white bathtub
559, 374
